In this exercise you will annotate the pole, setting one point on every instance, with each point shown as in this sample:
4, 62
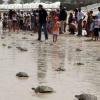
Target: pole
98, 3
78, 3
22, 5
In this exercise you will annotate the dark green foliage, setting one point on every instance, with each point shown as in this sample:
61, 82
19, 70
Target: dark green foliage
1, 1
11, 1
67, 1
27, 1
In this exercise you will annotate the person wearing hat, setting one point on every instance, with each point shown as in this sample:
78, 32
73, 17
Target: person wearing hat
42, 22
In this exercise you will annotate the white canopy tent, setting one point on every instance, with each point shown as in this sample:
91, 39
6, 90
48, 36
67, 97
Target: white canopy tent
30, 5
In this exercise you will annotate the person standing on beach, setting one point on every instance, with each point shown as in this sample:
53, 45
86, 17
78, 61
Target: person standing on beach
42, 22
55, 28
98, 15
89, 23
0, 24
80, 18
62, 19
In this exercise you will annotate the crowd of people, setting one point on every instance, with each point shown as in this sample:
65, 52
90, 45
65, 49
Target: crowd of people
36, 21
85, 24
53, 22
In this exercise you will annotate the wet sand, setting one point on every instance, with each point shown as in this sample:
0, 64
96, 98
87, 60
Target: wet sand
40, 62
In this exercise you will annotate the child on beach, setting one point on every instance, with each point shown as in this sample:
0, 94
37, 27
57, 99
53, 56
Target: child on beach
96, 27
0, 24
50, 22
55, 28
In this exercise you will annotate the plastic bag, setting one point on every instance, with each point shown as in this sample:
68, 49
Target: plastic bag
84, 33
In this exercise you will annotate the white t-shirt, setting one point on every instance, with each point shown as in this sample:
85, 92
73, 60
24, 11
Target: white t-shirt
98, 15
80, 15
14, 18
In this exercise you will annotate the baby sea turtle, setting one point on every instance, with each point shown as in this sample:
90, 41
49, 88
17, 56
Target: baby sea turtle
2, 37
79, 63
86, 97
31, 34
98, 59
60, 69
43, 89
3, 44
24, 38
9, 47
21, 49
22, 74
32, 43
78, 50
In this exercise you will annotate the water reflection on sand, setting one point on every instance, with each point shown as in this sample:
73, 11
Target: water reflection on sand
40, 62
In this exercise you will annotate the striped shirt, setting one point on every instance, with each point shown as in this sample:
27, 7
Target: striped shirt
97, 23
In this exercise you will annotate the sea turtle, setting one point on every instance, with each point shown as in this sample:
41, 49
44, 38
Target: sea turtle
9, 47
98, 59
60, 69
22, 74
31, 34
32, 43
43, 89
86, 97
3, 44
79, 63
24, 38
2, 37
78, 49
21, 49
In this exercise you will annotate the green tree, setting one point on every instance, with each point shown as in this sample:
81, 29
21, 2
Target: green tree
1, 1
11, 1
26, 1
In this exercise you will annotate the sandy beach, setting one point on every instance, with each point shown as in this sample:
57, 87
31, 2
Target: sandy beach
40, 62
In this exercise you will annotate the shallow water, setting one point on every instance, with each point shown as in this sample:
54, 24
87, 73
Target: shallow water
40, 62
